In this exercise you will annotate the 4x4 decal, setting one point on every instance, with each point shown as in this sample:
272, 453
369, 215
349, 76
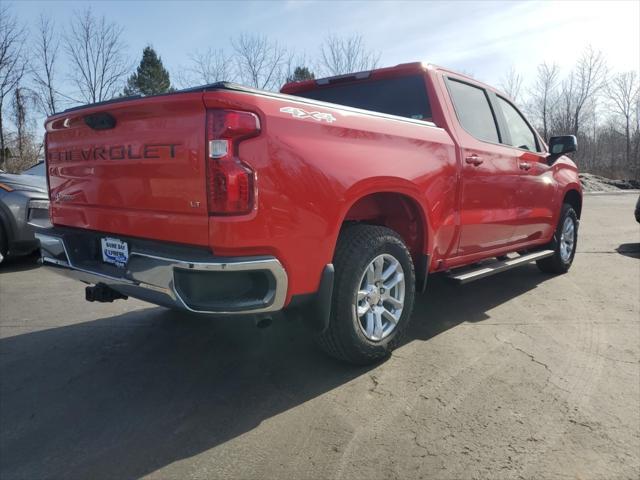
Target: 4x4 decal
300, 113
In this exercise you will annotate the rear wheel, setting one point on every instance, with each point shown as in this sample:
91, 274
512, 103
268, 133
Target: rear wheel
373, 295
563, 244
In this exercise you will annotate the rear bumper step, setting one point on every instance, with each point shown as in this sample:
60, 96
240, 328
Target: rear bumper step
497, 266
213, 285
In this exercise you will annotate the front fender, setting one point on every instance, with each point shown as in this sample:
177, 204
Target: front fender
565, 174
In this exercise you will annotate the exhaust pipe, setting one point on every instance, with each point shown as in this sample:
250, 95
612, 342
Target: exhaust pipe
102, 293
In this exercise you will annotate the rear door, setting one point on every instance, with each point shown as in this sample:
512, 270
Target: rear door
537, 186
132, 167
489, 173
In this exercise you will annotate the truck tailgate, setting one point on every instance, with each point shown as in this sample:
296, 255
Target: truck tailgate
134, 167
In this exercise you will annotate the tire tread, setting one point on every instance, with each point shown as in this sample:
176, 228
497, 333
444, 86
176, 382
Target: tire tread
554, 263
353, 241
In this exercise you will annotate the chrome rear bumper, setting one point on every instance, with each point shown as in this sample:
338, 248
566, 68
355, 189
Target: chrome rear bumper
171, 282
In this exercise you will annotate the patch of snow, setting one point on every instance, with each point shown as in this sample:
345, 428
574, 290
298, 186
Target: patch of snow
596, 183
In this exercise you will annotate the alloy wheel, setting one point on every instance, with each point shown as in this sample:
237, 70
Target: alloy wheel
380, 297
567, 239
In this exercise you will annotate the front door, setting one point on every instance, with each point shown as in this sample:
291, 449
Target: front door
537, 186
488, 213
490, 173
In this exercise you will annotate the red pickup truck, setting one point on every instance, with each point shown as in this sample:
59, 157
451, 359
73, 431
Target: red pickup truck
336, 198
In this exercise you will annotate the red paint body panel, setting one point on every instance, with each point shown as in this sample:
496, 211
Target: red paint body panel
113, 190
311, 175
305, 190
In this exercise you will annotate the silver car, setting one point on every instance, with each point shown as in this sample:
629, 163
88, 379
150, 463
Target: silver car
24, 204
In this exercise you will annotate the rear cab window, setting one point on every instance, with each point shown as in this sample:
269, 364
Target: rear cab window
404, 96
473, 110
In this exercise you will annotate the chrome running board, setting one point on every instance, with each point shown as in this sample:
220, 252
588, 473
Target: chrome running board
466, 274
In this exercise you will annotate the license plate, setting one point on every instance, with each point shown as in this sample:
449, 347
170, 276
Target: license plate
115, 251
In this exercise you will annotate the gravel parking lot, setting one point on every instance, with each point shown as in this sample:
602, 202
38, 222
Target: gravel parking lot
521, 375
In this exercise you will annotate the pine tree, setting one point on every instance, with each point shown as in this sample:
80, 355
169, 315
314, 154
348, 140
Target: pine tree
150, 78
301, 74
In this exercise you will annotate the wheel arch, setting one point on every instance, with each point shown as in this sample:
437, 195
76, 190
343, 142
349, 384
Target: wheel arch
398, 210
574, 198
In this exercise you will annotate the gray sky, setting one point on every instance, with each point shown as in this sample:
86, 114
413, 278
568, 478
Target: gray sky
483, 38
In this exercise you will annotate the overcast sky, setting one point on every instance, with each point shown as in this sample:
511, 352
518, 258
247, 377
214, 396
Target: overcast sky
483, 38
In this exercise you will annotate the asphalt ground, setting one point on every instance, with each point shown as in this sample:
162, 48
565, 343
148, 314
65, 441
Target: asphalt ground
520, 375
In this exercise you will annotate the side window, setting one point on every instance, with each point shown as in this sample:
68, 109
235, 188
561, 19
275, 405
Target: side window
473, 110
521, 135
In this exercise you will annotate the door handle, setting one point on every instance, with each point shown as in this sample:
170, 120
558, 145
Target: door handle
474, 160
525, 166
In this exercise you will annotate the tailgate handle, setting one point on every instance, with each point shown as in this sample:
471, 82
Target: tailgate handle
100, 121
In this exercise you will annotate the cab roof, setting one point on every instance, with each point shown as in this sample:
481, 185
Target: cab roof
402, 69
292, 88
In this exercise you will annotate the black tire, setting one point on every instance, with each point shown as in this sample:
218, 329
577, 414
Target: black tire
556, 264
357, 247
4, 247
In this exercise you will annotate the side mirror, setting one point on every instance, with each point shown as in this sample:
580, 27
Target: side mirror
563, 144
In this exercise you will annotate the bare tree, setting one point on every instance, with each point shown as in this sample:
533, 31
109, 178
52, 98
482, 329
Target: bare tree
20, 118
45, 55
12, 65
544, 95
97, 57
636, 137
24, 137
340, 55
582, 87
24, 145
622, 91
260, 62
210, 66
511, 84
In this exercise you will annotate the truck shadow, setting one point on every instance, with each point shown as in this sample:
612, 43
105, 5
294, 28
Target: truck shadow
629, 249
445, 304
121, 397
19, 264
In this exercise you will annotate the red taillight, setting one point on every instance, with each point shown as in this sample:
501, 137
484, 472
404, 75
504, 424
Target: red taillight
230, 182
